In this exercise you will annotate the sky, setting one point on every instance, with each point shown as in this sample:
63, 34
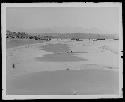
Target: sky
105, 19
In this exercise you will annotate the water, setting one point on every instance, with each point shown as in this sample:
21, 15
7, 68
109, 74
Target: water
18, 42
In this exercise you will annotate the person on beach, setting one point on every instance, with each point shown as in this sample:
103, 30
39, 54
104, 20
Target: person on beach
75, 92
67, 68
13, 66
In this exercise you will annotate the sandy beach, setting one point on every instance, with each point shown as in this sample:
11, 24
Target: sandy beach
41, 68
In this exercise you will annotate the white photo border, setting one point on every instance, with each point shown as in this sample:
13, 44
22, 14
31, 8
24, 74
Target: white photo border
72, 4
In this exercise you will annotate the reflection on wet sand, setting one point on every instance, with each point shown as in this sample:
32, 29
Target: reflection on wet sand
58, 47
59, 58
61, 53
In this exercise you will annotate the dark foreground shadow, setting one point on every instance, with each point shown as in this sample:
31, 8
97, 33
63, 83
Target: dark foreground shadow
85, 82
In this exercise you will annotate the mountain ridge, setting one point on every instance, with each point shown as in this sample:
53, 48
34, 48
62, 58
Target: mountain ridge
93, 30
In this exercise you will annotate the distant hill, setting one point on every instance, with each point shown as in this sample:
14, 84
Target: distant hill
65, 29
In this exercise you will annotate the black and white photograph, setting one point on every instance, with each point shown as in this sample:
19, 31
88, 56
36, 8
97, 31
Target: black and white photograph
62, 50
